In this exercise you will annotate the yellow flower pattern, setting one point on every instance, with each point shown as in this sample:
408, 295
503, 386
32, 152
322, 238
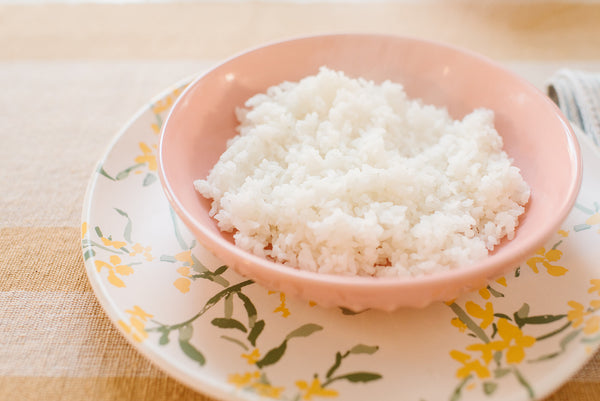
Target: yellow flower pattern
84, 228
546, 259
116, 255
469, 365
595, 286
499, 340
147, 156
114, 244
252, 357
513, 341
185, 257
137, 321
485, 292
485, 314
593, 220
124, 253
282, 308
162, 106
183, 283
486, 349
266, 390
253, 380
592, 325
504, 338
577, 314
314, 389
502, 281
456, 322
580, 315
244, 379
146, 251
115, 267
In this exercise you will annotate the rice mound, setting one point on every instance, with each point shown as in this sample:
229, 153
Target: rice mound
343, 176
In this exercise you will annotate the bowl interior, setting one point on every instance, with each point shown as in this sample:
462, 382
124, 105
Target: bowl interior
535, 133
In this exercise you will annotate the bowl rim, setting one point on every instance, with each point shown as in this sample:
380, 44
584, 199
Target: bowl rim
486, 268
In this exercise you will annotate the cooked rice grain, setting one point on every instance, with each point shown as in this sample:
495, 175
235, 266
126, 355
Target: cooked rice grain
343, 176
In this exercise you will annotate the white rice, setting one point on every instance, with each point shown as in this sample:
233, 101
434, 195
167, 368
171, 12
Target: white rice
343, 176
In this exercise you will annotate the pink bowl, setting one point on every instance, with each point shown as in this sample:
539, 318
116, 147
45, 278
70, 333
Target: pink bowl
536, 135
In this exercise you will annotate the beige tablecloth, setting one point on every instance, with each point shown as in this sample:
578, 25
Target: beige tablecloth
72, 74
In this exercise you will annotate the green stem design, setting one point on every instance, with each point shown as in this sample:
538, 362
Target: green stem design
209, 304
462, 315
581, 227
498, 359
458, 390
103, 172
584, 209
212, 276
235, 341
158, 120
125, 173
355, 376
338, 361
128, 227
121, 175
590, 340
228, 306
330, 380
553, 333
350, 312
182, 243
117, 251
562, 344
523, 382
495, 292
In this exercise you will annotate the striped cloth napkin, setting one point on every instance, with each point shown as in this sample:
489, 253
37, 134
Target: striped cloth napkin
577, 93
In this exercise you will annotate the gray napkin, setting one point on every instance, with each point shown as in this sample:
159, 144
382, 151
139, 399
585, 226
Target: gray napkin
577, 93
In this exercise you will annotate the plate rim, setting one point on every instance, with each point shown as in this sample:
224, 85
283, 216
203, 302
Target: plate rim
203, 383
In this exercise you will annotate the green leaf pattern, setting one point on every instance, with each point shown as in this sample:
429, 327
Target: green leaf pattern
501, 339
504, 340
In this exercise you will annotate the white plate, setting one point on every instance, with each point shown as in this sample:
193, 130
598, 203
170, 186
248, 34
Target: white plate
219, 333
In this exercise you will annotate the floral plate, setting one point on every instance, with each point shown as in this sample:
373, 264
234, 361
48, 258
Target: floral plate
517, 339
